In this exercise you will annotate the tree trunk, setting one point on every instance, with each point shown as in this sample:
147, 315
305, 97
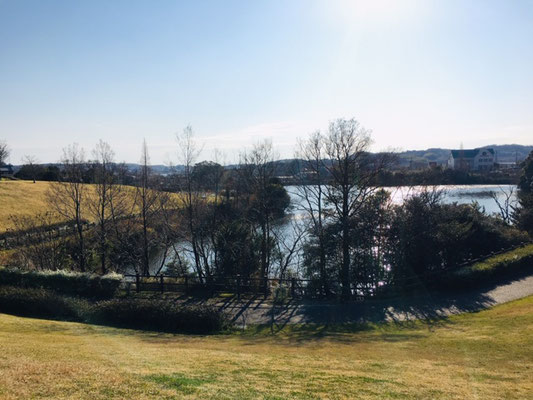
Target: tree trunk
146, 266
79, 227
345, 272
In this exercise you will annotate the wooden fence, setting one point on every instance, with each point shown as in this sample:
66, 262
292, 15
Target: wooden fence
291, 287
236, 285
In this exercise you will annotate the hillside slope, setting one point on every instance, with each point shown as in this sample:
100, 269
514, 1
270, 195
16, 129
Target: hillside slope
25, 198
486, 355
21, 198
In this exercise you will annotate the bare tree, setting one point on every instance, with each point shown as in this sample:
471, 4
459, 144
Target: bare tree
288, 239
106, 189
150, 205
257, 170
352, 173
4, 152
146, 200
169, 231
31, 163
216, 174
311, 191
507, 205
122, 217
188, 153
67, 196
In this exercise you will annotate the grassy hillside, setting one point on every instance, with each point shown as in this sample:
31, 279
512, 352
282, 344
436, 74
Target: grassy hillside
486, 355
25, 198
21, 198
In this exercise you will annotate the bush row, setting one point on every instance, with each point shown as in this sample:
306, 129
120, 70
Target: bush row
41, 303
64, 282
157, 315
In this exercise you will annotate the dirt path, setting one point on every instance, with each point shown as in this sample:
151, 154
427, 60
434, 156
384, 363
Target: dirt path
430, 307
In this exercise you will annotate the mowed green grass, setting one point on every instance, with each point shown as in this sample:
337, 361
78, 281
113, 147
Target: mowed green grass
485, 355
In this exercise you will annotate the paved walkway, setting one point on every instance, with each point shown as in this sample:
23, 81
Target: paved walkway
430, 307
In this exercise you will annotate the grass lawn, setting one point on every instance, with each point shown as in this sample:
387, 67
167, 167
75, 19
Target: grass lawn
485, 355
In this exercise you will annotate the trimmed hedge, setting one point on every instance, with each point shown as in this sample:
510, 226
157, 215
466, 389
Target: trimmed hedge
516, 260
64, 282
157, 315
40, 303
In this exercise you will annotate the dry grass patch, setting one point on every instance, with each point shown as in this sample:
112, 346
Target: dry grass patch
21, 198
25, 198
486, 355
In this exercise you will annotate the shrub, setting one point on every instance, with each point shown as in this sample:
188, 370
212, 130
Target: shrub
158, 315
524, 213
427, 237
40, 303
65, 282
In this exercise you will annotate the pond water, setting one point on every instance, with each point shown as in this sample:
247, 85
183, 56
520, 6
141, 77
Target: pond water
461, 194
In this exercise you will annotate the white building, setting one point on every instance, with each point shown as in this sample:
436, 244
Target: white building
472, 160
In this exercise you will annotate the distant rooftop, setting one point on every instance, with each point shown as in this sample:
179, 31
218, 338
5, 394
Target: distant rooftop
471, 153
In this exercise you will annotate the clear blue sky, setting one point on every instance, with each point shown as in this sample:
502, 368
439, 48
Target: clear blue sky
418, 73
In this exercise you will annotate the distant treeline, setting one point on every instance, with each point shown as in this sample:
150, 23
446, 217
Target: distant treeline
289, 173
38, 172
445, 176
56, 172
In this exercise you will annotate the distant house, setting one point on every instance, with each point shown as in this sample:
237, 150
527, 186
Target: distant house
482, 159
6, 170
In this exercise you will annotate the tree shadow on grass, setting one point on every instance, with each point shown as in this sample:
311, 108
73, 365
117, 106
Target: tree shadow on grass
301, 321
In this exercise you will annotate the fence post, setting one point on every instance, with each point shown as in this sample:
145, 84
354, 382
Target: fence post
265, 287
137, 282
162, 283
238, 287
293, 287
186, 284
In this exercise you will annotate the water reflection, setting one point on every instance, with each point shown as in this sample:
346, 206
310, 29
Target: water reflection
461, 194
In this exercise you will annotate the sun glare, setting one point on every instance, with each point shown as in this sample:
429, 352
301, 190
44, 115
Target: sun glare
375, 13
